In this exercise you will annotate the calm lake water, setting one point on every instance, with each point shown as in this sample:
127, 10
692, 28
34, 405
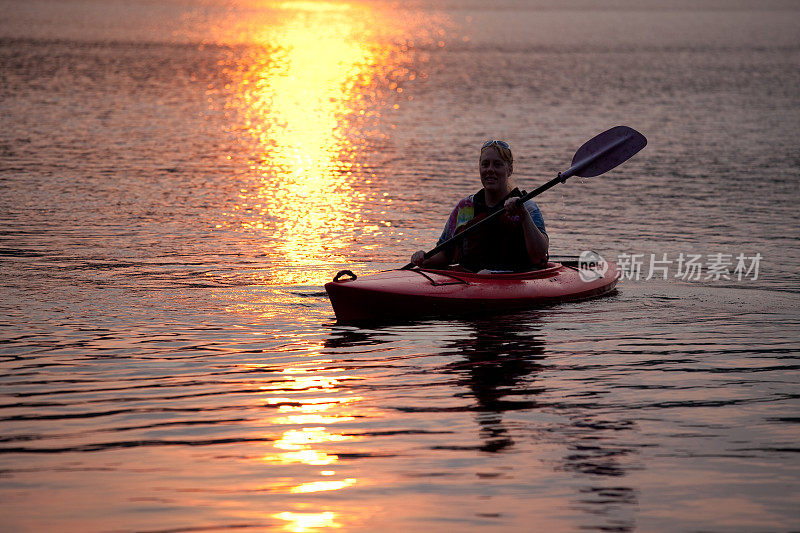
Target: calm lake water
179, 179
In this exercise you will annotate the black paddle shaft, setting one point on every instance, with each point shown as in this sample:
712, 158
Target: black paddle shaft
597, 156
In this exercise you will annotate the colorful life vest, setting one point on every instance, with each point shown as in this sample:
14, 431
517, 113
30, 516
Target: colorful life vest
498, 245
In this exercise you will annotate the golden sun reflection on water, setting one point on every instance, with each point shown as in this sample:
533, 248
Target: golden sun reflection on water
321, 486
316, 76
299, 439
311, 400
295, 100
302, 522
300, 446
306, 87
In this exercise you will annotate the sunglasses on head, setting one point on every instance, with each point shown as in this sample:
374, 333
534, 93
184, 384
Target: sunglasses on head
498, 143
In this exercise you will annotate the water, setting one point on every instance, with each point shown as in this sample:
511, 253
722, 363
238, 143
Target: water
180, 178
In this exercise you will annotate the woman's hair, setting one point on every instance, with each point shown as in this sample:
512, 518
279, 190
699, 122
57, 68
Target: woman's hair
503, 150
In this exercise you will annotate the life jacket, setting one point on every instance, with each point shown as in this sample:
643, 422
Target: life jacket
497, 245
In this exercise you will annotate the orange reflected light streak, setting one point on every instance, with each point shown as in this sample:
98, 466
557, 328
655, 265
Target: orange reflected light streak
297, 443
306, 370
311, 383
298, 439
306, 457
306, 5
312, 419
312, 405
295, 102
320, 486
306, 85
303, 522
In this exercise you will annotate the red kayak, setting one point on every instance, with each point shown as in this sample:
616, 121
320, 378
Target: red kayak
424, 292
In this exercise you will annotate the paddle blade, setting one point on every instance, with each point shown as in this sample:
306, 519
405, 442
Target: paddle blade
607, 150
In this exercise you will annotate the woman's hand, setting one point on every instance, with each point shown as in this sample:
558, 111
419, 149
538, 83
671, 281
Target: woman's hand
438, 259
418, 257
514, 207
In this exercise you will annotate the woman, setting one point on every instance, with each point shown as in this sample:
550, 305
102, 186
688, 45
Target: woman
516, 240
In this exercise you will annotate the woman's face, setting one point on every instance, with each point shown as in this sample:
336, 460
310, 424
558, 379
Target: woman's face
494, 172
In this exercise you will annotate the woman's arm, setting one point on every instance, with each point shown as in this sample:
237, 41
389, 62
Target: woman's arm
536, 242
438, 259
443, 257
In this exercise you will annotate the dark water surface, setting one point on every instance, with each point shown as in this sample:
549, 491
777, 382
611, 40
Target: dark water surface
178, 180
